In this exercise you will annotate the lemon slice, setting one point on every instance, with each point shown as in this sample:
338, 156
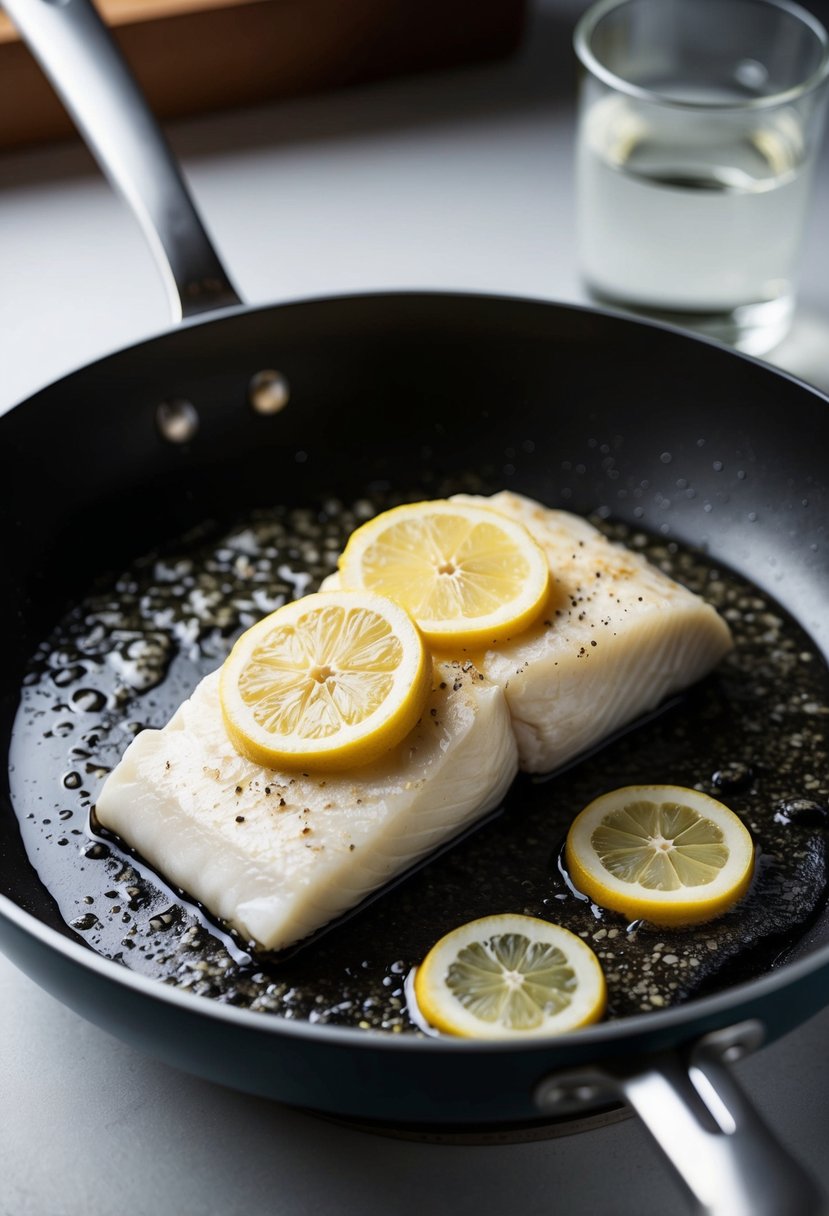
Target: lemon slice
507, 977
670, 855
333, 680
468, 575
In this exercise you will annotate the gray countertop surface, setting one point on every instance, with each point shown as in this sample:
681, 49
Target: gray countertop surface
460, 180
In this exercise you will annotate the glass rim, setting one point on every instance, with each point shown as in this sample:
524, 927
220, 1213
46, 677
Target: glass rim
587, 23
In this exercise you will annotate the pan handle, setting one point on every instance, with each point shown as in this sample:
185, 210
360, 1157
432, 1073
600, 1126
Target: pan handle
80, 57
716, 1141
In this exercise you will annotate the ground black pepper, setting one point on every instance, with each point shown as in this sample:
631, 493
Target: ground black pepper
133, 651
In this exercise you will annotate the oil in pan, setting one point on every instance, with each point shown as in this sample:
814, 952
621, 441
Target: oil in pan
752, 734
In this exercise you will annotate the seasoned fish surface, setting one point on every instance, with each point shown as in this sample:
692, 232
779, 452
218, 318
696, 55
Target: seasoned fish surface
279, 855
618, 636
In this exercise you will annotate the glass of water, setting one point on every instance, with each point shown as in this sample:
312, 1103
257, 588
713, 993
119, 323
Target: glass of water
699, 125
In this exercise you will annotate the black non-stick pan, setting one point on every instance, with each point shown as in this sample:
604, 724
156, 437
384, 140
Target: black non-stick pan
578, 408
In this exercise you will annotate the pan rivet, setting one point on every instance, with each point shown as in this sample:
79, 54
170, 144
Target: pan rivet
268, 392
554, 1092
734, 1053
177, 420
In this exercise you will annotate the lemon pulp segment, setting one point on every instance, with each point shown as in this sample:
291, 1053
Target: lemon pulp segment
661, 845
334, 679
670, 855
509, 975
468, 575
311, 681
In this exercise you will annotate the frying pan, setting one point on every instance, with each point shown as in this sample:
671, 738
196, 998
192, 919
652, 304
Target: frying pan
138, 447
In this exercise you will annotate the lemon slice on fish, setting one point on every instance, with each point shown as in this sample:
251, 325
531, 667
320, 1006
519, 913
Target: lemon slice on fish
510, 976
468, 575
669, 855
330, 681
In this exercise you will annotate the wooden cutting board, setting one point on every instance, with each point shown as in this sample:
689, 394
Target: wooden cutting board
196, 55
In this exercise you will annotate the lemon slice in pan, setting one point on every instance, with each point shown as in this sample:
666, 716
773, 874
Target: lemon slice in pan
670, 855
468, 575
333, 680
509, 976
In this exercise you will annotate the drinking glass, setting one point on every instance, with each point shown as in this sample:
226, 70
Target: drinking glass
699, 124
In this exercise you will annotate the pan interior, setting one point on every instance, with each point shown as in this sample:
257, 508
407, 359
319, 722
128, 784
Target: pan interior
580, 410
125, 657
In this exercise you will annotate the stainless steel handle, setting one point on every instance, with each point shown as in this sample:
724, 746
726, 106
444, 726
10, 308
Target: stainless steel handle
705, 1125
78, 54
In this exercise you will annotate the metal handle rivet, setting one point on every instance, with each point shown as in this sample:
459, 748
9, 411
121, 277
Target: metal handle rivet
557, 1091
268, 392
734, 1053
177, 420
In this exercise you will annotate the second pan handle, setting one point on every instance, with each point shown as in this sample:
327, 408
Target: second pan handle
78, 54
721, 1149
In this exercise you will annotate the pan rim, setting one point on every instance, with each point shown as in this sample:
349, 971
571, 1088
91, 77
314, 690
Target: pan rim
704, 1009
425, 295
711, 1010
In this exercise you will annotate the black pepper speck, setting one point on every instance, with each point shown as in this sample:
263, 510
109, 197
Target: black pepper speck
183, 609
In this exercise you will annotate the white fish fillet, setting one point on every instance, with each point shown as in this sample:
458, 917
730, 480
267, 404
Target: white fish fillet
278, 856
617, 638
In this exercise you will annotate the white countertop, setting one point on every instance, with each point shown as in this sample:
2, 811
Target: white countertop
452, 181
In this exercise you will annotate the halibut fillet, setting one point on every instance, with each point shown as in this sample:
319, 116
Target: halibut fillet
278, 855
617, 637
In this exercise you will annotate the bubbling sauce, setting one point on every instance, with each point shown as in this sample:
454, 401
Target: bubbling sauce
752, 734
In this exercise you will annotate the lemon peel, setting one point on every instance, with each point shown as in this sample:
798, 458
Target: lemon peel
331, 681
510, 976
470, 576
663, 853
